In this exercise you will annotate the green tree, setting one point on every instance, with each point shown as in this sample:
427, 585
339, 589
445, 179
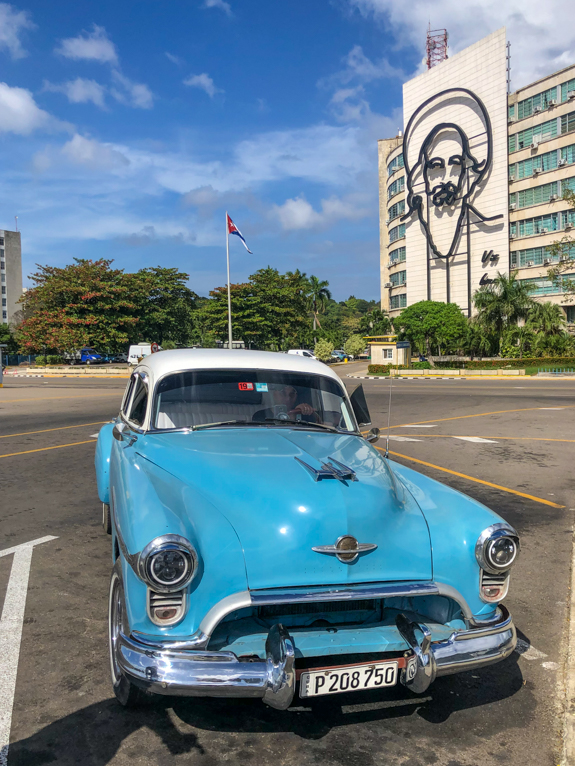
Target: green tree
317, 295
165, 304
424, 322
478, 340
547, 318
354, 345
562, 252
503, 302
375, 322
7, 337
323, 349
520, 337
84, 303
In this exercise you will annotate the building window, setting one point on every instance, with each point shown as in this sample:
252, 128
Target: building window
398, 255
398, 301
4, 301
540, 224
2, 277
387, 353
543, 131
511, 112
395, 164
536, 256
396, 187
397, 232
569, 314
544, 286
396, 210
542, 163
537, 194
529, 105
2, 265
2, 241
568, 122
4, 315
3, 290
399, 278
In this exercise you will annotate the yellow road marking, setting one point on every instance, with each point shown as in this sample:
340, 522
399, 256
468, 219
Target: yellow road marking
513, 438
47, 398
478, 415
60, 428
43, 449
472, 478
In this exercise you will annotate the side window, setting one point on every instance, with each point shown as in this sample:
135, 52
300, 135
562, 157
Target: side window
139, 402
127, 395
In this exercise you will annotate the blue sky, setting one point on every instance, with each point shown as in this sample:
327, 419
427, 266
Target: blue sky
127, 129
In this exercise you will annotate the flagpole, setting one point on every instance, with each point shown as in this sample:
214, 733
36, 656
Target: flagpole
230, 342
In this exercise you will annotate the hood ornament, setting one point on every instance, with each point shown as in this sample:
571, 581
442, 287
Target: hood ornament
346, 549
333, 469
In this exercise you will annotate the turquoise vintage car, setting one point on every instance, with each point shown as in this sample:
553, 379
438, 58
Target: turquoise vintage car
263, 547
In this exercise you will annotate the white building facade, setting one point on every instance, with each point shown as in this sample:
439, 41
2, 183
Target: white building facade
10, 275
454, 187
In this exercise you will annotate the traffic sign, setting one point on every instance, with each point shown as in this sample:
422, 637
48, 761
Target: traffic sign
403, 344
155, 347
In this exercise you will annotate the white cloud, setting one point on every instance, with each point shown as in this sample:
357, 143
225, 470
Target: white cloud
132, 93
204, 82
91, 46
175, 59
12, 24
79, 91
296, 214
541, 35
19, 113
85, 151
221, 4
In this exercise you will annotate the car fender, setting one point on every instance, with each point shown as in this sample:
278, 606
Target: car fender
102, 461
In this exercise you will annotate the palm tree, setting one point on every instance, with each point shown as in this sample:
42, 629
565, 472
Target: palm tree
503, 302
317, 297
547, 318
524, 336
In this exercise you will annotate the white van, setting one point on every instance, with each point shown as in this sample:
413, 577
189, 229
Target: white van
137, 352
302, 352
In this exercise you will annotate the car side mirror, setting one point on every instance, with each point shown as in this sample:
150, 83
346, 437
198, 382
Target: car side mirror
372, 435
359, 407
118, 430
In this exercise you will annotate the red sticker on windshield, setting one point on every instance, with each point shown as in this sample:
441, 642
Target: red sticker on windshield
246, 386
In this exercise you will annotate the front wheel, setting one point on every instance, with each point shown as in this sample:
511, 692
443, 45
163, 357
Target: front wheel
126, 693
106, 518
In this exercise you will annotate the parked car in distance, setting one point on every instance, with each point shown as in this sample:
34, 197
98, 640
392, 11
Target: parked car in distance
120, 358
138, 352
84, 355
261, 546
339, 355
302, 352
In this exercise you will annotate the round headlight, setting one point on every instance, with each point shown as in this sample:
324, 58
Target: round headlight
497, 548
168, 563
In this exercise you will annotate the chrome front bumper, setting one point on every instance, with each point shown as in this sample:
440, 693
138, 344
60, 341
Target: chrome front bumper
163, 668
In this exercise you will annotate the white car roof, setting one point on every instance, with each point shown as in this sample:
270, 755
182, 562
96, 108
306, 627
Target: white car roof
164, 362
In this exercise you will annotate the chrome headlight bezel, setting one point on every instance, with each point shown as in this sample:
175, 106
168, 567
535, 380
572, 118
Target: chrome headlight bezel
162, 544
485, 542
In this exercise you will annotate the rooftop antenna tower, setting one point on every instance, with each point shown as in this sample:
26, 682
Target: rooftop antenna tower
436, 46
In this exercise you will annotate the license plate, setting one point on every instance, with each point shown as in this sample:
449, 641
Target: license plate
349, 679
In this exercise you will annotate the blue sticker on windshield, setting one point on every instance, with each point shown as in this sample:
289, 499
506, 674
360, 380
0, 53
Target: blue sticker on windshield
261, 386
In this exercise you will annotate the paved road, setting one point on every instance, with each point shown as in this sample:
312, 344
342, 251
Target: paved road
64, 712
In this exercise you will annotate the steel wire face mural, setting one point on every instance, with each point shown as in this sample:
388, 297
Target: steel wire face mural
447, 162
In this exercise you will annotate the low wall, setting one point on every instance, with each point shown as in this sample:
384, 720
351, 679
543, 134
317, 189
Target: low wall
455, 373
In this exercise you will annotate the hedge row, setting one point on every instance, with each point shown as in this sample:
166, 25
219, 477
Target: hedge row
517, 364
383, 369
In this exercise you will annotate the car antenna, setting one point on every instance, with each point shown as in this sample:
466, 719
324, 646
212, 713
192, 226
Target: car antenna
388, 415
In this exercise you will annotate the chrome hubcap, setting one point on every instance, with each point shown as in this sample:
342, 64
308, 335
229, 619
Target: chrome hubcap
115, 626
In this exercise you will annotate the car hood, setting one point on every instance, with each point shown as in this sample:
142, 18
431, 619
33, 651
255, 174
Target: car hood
280, 512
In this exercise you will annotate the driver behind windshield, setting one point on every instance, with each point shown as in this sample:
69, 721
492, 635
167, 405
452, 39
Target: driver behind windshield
286, 407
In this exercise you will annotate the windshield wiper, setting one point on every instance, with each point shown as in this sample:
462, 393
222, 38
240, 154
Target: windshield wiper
221, 423
306, 423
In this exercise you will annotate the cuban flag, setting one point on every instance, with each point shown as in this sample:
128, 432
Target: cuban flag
233, 229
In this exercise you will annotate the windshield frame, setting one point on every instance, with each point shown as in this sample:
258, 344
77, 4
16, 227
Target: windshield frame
152, 400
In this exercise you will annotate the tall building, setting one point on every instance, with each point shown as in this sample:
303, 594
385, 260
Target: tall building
474, 186
10, 274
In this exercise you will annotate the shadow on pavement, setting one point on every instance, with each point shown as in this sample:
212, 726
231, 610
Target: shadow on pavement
95, 733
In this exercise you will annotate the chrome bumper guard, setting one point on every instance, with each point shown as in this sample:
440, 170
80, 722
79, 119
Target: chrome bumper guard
164, 669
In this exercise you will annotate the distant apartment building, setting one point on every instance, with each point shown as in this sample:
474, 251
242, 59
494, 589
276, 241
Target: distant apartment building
474, 186
10, 274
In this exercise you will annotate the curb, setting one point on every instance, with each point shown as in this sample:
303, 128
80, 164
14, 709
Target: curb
119, 376
403, 377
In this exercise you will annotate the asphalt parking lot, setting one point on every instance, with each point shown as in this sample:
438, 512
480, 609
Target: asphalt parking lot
506, 443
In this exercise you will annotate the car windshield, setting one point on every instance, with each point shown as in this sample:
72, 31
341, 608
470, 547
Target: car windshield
251, 397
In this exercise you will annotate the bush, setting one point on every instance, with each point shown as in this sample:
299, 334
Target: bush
168, 345
40, 361
383, 369
323, 349
53, 359
518, 364
421, 365
354, 345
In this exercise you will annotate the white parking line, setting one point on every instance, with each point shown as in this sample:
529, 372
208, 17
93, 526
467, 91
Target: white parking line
476, 439
527, 651
393, 437
416, 425
94, 436
11, 633
551, 408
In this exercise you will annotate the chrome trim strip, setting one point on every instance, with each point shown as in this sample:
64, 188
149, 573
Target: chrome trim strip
224, 607
335, 593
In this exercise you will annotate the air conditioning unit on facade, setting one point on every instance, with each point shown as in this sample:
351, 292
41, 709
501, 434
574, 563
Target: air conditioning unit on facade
543, 231
536, 109
546, 261
511, 120
553, 197
552, 102
512, 236
571, 94
564, 258
536, 171
388, 284
512, 206
562, 162
529, 263
568, 226
511, 178
534, 145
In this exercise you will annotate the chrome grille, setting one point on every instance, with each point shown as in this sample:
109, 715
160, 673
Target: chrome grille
499, 580
276, 610
157, 601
